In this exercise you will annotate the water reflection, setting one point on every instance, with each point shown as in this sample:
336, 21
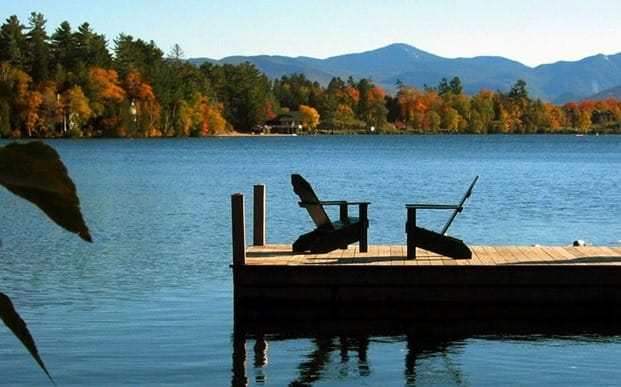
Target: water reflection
420, 348
347, 347
342, 358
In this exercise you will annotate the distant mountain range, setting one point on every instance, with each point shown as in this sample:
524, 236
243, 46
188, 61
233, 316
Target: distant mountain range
594, 77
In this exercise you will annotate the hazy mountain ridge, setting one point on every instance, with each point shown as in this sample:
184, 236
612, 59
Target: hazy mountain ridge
560, 82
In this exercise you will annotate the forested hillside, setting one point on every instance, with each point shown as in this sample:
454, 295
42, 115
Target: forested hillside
558, 82
77, 83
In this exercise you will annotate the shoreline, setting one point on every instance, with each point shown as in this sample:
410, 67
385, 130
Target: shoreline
242, 134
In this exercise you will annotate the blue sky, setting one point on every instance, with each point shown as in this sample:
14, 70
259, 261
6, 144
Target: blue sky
530, 31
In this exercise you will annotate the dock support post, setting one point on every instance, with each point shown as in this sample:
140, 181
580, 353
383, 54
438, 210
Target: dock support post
259, 215
239, 229
410, 226
364, 218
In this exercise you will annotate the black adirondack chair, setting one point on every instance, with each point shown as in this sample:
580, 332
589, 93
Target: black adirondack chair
329, 235
437, 242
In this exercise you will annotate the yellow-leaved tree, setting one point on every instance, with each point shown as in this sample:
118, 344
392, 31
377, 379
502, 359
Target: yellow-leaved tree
76, 108
310, 117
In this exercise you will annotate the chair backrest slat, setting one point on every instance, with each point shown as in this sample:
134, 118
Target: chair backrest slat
309, 200
460, 207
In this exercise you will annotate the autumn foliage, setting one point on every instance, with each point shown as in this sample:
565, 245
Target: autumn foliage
70, 84
445, 110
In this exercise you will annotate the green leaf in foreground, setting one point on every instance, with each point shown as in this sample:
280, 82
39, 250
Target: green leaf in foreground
35, 172
11, 319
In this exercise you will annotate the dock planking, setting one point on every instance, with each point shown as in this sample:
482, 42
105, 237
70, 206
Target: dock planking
280, 254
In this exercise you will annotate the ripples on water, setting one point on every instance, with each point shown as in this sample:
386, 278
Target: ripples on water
150, 301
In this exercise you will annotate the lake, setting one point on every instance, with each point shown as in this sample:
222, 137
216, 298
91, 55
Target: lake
150, 301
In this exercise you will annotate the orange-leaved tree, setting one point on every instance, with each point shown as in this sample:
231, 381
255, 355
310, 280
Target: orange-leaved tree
105, 94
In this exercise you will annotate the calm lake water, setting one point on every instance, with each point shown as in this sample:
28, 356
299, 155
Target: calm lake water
150, 301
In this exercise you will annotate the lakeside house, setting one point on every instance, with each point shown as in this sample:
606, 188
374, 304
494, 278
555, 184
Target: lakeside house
285, 123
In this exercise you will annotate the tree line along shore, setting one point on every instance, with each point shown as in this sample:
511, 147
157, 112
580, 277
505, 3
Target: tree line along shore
70, 84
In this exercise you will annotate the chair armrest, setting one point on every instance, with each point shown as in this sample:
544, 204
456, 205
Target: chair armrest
341, 202
343, 208
332, 202
433, 206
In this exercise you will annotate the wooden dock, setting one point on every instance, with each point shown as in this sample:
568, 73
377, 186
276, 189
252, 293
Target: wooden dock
501, 289
275, 285
535, 274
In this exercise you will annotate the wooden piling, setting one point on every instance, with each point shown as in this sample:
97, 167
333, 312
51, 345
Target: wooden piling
411, 236
238, 229
259, 215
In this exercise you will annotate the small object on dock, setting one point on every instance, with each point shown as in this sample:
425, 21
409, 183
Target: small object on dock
579, 242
